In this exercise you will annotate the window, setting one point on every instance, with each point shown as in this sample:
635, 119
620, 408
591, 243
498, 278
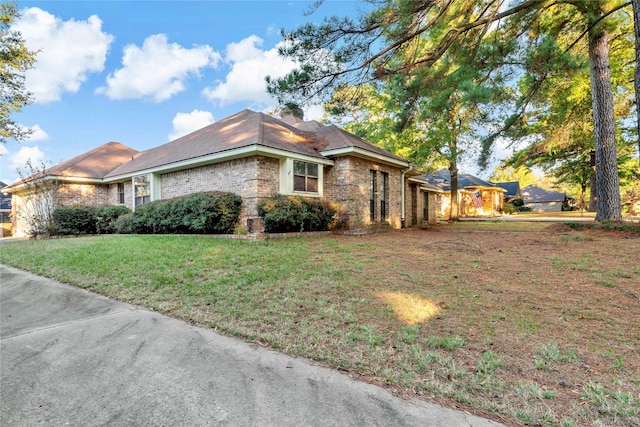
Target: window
141, 189
425, 206
121, 193
372, 197
305, 176
384, 196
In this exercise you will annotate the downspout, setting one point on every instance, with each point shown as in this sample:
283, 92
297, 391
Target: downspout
403, 221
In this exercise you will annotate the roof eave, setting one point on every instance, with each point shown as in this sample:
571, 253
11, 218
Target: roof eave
251, 150
484, 187
359, 152
19, 186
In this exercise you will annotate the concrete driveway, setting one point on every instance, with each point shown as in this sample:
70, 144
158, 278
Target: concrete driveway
70, 357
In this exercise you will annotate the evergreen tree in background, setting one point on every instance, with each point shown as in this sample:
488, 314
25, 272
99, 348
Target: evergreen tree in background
404, 43
15, 59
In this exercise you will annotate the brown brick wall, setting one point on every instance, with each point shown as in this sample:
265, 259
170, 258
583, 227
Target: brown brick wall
253, 178
113, 197
348, 182
69, 194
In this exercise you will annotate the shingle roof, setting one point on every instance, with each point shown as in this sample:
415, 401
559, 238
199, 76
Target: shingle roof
245, 129
96, 163
338, 138
535, 194
442, 179
512, 187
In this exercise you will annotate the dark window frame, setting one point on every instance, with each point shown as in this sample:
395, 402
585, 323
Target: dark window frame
372, 198
384, 196
120, 189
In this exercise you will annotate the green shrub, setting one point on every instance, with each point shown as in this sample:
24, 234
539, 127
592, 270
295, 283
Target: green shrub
508, 208
106, 217
76, 220
291, 214
200, 213
517, 203
124, 224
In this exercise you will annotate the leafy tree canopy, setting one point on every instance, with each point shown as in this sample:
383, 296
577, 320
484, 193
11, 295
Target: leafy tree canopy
529, 43
15, 59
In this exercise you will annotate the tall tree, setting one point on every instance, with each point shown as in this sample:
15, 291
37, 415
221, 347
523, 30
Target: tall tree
559, 114
636, 26
418, 118
15, 59
368, 48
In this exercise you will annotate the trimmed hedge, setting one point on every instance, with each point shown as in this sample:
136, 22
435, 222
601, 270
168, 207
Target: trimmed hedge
199, 213
74, 220
291, 214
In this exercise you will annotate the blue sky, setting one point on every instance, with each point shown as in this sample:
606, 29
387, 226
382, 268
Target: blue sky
145, 72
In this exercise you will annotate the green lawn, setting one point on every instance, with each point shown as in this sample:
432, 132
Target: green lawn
384, 312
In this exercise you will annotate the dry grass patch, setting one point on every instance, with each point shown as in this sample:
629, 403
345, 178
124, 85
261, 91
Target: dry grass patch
529, 324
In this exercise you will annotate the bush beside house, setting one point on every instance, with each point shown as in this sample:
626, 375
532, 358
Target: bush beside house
284, 214
199, 213
75, 220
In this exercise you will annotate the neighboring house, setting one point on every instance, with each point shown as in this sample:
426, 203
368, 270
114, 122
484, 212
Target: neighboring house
512, 190
541, 200
476, 197
5, 212
251, 154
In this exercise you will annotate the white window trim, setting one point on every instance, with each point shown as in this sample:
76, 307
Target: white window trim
286, 179
154, 188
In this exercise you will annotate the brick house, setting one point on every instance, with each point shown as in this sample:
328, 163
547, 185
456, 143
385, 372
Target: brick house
476, 197
253, 155
541, 200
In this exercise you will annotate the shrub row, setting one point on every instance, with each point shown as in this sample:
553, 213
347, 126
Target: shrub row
200, 213
86, 219
290, 214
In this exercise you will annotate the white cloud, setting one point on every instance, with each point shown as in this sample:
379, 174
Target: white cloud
157, 70
3, 150
249, 66
68, 51
38, 134
19, 159
185, 123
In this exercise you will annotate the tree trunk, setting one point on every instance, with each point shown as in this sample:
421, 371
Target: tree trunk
454, 211
636, 23
583, 194
593, 192
608, 185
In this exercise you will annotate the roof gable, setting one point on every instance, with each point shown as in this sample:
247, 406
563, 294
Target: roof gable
96, 163
535, 194
337, 139
247, 129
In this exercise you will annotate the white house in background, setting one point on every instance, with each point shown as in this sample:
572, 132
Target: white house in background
541, 200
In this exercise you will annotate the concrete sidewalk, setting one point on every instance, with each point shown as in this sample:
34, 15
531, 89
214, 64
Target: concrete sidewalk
70, 357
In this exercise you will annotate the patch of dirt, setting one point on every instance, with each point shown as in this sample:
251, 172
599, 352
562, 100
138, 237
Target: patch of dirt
521, 293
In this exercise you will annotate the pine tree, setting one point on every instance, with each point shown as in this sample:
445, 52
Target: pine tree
381, 44
15, 59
